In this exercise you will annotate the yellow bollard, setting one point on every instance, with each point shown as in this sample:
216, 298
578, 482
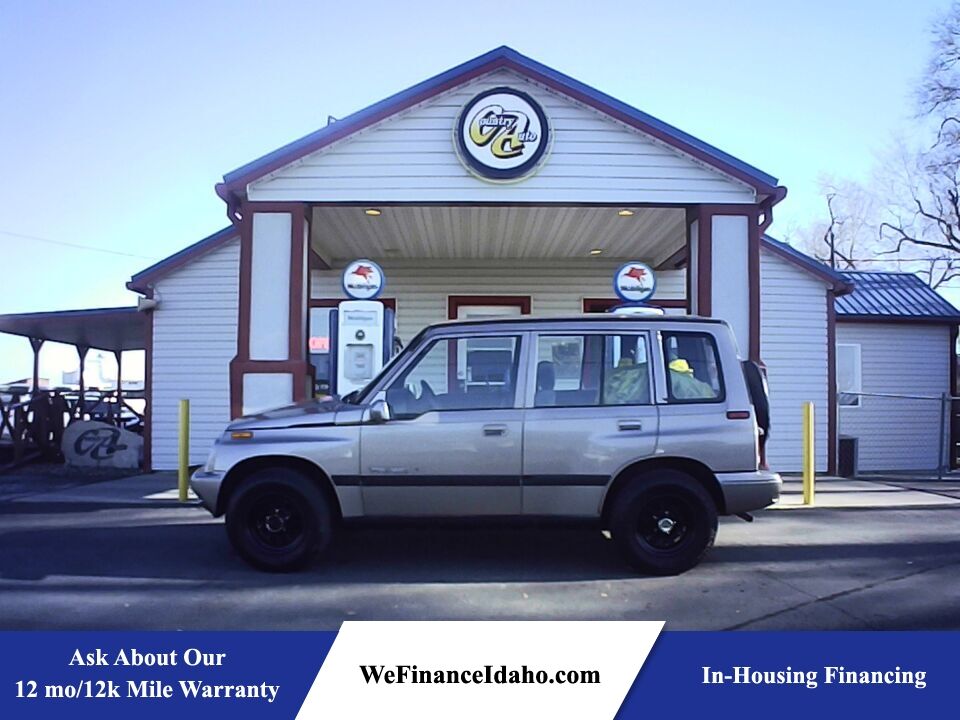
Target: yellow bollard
184, 471
809, 455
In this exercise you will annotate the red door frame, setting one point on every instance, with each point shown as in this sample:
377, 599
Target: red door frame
455, 302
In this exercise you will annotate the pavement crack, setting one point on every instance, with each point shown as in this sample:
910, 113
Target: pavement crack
837, 595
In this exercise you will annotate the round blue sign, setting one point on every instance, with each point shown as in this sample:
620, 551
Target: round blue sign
634, 282
363, 280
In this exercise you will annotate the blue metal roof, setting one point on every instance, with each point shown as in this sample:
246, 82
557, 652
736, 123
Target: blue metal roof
878, 295
438, 83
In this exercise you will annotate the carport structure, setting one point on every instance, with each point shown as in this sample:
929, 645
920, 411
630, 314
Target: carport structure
32, 418
391, 183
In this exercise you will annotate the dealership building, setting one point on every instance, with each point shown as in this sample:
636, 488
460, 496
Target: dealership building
502, 187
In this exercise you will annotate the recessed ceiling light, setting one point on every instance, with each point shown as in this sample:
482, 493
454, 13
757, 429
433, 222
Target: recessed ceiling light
375, 212
596, 251
625, 212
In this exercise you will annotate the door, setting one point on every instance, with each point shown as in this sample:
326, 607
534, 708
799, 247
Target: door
453, 443
590, 412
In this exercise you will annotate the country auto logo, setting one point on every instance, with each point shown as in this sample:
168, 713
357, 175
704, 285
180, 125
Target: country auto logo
502, 134
363, 280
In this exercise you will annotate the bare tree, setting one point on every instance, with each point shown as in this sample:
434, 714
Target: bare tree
926, 219
846, 237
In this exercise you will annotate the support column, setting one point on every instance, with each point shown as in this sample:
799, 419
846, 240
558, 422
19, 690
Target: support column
82, 351
118, 356
36, 344
724, 269
271, 366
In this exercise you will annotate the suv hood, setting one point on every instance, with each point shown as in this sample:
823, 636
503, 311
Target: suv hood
311, 412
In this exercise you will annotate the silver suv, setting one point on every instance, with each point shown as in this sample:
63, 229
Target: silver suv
649, 426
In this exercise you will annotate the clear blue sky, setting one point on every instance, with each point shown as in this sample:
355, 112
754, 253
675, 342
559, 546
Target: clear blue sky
117, 118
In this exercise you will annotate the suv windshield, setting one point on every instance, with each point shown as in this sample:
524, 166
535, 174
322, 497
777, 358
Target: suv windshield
358, 397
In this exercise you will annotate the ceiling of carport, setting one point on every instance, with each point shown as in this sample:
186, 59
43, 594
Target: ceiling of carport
340, 233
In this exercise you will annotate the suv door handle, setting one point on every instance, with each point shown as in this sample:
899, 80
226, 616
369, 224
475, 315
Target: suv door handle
492, 430
625, 425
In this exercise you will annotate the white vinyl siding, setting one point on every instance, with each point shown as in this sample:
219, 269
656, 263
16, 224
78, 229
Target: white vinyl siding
194, 340
410, 157
555, 288
793, 345
897, 358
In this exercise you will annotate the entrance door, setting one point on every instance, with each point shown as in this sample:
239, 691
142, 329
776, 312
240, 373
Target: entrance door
453, 445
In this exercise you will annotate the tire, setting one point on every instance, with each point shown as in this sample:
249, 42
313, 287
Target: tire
655, 547
278, 520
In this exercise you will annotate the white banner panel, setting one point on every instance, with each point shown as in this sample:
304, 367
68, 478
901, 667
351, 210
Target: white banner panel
463, 669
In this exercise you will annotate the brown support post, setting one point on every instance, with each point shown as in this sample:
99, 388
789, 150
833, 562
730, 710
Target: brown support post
954, 404
82, 351
148, 395
36, 344
296, 363
691, 213
704, 215
118, 354
833, 441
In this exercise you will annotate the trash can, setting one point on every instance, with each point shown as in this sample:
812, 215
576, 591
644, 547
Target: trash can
848, 451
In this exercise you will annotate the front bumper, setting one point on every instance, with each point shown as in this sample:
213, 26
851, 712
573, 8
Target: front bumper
747, 491
206, 484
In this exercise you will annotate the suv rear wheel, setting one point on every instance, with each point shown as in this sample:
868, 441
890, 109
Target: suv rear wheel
278, 520
664, 522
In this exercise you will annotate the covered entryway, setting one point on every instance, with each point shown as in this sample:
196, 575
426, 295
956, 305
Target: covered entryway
499, 186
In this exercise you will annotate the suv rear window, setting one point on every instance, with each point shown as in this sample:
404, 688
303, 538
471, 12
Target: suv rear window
693, 368
589, 370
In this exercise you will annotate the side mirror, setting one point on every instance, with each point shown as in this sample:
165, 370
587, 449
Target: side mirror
379, 412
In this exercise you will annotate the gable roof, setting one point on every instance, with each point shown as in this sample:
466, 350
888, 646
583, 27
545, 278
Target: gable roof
235, 182
893, 296
142, 281
838, 283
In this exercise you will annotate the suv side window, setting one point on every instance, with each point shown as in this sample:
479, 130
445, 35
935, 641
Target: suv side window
693, 368
581, 370
475, 373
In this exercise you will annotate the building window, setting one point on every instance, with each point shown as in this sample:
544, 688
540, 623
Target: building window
463, 307
849, 375
693, 368
591, 370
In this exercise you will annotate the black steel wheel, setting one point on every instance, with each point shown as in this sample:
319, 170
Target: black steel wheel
664, 522
278, 520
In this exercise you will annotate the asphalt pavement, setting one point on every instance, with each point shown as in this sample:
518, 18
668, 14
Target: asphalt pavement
123, 554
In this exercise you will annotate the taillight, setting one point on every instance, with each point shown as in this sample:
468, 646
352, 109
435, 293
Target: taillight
738, 415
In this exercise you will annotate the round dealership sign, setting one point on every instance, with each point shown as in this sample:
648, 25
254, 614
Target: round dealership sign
634, 282
363, 280
502, 135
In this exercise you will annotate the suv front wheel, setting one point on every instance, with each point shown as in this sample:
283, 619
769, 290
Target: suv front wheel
278, 520
664, 522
